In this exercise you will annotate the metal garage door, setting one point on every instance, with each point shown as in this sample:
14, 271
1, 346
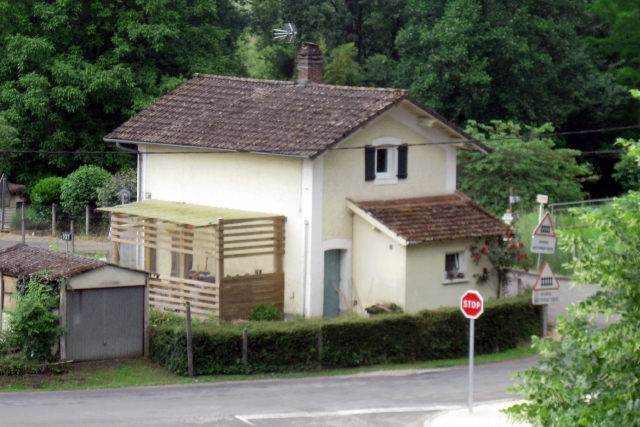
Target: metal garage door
105, 323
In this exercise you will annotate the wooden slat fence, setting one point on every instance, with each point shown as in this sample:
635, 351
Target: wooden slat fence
219, 295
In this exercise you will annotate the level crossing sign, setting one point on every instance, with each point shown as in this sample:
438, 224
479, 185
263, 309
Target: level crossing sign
547, 288
544, 237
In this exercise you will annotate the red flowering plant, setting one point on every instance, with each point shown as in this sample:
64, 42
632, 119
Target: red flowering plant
504, 254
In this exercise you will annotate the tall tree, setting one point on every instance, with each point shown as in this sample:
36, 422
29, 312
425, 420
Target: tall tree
71, 71
486, 60
372, 25
522, 160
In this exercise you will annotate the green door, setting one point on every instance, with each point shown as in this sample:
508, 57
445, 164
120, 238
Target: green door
331, 283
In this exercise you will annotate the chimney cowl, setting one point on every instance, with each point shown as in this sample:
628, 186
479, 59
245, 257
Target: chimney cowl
310, 66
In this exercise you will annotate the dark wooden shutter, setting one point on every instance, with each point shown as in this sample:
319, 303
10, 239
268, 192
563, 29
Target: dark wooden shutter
369, 163
403, 150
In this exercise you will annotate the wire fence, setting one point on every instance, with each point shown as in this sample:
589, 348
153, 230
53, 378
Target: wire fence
52, 220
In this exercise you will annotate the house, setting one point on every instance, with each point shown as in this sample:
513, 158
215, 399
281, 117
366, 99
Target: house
104, 307
12, 198
363, 181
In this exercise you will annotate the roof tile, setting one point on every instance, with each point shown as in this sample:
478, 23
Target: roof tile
435, 218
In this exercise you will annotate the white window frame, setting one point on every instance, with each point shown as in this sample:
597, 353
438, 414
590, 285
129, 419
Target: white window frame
391, 175
462, 268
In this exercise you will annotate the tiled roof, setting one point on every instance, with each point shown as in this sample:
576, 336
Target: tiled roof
15, 188
262, 116
26, 260
424, 219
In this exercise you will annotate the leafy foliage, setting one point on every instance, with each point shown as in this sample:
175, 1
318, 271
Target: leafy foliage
621, 41
392, 338
263, 312
8, 141
47, 191
529, 164
523, 61
72, 71
33, 328
343, 69
108, 192
628, 168
592, 377
504, 254
80, 189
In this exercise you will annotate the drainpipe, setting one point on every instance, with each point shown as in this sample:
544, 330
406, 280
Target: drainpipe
305, 258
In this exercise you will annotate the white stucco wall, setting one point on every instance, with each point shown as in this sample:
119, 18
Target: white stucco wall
426, 284
259, 183
379, 268
344, 174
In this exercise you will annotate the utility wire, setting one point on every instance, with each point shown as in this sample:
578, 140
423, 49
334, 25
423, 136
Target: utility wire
210, 150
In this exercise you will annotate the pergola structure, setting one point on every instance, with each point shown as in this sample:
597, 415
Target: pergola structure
222, 261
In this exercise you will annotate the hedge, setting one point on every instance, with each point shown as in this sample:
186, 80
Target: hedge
321, 343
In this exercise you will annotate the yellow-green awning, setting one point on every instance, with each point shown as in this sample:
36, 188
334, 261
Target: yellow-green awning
182, 213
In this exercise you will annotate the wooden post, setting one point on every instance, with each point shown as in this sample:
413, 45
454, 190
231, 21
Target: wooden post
115, 254
73, 238
278, 234
189, 342
53, 219
87, 216
22, 226
63, 319
245, 347
219, 253
320, 343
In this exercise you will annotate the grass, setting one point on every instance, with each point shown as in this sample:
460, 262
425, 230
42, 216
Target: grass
526, 226
143, 372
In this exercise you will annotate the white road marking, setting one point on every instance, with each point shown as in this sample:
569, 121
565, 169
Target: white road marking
246, 418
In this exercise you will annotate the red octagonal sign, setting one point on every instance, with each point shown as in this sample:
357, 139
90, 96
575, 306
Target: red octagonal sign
472, 304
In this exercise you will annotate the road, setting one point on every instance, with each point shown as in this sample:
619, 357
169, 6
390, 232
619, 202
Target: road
396, 398
10, 239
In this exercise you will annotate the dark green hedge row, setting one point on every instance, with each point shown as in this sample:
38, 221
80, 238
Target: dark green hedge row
310, 344
11, 366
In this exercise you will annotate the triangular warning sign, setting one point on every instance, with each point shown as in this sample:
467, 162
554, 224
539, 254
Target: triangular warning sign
547, 280
545, 228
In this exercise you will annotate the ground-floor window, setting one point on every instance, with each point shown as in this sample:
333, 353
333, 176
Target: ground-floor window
454, 266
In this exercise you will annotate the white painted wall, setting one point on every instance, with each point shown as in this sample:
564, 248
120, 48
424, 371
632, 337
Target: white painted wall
426, 284
344, 174
259, 183
379, 268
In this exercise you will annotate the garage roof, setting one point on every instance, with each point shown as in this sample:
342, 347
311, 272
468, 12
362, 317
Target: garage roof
24, 260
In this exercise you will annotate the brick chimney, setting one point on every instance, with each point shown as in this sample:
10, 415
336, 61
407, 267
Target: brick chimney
310, 69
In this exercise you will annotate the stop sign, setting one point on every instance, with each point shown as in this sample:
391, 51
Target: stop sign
472, 304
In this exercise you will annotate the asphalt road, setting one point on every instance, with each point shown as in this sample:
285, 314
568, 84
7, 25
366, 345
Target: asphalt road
398, 398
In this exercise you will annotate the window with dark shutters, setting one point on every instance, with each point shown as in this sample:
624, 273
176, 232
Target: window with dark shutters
369, 163
403, 150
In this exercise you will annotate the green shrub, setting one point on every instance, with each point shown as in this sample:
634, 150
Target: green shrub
80, 189
265, 312
47, 191
33, 219
33, 328
392, 338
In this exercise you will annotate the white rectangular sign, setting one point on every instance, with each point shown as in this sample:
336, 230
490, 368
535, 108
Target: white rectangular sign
543, 245
543, 198
544, 297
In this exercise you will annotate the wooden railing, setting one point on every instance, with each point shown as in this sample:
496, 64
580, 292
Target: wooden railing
171, 293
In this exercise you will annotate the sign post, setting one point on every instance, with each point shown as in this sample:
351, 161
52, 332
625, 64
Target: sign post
545, 291
472, 306
543, 242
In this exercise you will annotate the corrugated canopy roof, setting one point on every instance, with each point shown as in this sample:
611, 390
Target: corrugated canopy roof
264, 116
182, 213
